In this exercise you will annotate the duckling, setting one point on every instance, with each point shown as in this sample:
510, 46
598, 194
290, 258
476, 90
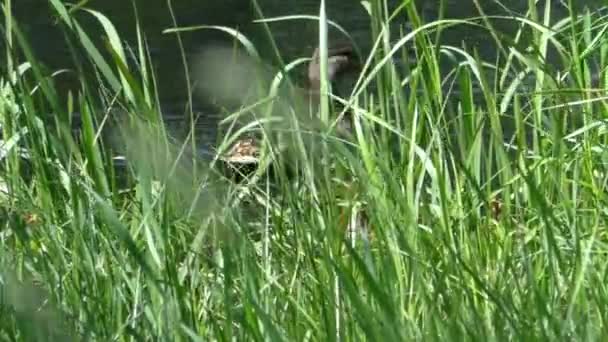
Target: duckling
243, 157
244, 151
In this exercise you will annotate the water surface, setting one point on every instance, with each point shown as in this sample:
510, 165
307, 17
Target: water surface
293, 39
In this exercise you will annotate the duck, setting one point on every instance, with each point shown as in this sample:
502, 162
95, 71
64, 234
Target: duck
341, 59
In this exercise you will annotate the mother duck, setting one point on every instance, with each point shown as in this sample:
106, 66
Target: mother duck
340, 59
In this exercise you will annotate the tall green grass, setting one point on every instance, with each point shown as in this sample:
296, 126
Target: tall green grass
478, 195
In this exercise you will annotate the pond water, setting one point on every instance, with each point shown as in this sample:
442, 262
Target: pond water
294, 38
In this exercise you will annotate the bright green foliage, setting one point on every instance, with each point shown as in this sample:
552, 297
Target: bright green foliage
483, 186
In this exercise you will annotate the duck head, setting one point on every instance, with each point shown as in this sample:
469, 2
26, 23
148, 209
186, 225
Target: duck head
339, 60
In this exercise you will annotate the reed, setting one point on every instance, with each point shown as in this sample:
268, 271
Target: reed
467, 204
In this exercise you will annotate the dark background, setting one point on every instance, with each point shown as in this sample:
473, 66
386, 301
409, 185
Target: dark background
294, 38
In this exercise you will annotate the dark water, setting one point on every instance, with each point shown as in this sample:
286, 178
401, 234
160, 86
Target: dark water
294, 38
